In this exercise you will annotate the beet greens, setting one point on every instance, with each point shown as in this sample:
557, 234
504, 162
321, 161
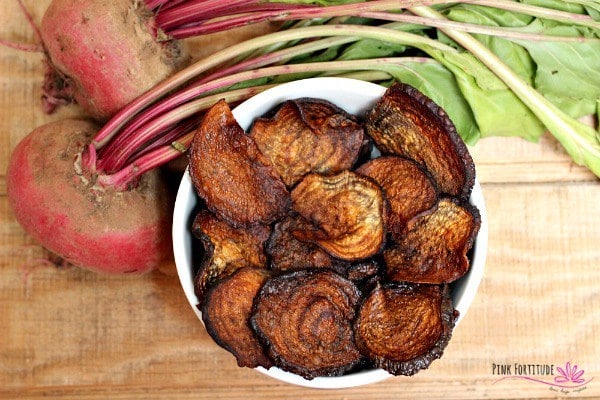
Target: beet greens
481, 62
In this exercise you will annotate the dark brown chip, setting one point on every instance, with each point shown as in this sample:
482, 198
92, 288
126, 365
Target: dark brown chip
407, 123
237, 182
226, 314
362, 270
403, 327
288, 253
305, 320
434, 250
308, 135
408, 190
226, 249
347, 210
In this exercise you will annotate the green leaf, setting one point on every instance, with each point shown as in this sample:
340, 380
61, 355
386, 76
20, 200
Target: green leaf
579, 140
497, 110
567, 73
560, 5
369, 48
511, 53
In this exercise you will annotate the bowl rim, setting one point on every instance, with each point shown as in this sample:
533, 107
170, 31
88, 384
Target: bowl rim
463, 291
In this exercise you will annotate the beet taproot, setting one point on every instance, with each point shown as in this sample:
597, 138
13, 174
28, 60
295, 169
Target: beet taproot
66, 211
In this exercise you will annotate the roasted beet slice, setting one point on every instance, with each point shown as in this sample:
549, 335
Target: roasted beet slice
226, 315
363, 270
308, 135
304, 318
237, 182
408, 189
434, 250
403, 327
226, 249
348, 211
288, 253
405, 122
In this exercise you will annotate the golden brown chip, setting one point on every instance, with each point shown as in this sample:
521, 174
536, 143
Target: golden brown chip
405, 122
226, 313
403, 327
304, 318
347, 209
226, 249
434, 250
408, 189
308, 135
288, 253
237, 182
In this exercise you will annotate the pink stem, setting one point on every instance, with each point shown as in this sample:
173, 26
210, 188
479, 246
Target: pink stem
33, 48
285, 14
37, 48
171, 136
197, 10
31, 22
160, 156
181, 97
116, 159
275, 57
167, 120
154, 4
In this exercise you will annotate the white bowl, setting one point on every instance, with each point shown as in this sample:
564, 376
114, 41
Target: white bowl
355, 97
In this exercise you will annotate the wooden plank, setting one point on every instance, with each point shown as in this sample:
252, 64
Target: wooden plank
74, 334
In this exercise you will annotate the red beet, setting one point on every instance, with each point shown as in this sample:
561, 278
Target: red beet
105, 53
69, 213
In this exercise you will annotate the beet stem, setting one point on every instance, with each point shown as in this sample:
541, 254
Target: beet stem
194, 28
112, 127
157, 126
161, 123
115, 159
198, 10
181, 97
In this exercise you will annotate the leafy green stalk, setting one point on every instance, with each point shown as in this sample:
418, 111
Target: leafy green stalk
580, 141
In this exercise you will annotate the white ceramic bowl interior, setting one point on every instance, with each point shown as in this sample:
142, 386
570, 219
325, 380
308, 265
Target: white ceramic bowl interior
355, 97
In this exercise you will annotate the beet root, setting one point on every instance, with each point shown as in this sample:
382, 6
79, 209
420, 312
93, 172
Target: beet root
61, 206
105, 53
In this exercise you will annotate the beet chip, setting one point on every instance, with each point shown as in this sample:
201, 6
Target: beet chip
226, 313
288, 253
304, 318
237, 182
403, 327
226, 249
434, 250
308, 135
348, 211
408, 189
405, 122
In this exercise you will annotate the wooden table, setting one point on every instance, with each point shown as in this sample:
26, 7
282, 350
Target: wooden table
68, 333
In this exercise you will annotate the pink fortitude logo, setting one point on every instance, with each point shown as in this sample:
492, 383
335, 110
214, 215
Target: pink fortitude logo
567, 379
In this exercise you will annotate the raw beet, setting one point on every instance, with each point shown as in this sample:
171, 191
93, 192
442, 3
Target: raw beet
104, 53
62, 208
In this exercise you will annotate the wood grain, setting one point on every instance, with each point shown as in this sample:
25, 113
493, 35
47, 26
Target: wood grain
66, 333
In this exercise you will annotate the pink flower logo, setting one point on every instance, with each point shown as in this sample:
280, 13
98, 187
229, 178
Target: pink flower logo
570, 374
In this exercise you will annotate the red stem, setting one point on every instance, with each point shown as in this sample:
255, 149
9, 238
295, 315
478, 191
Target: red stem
160, 156
117, 157
126, 134
197, 10
296, 12
180, 129
36, 31
29, 18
